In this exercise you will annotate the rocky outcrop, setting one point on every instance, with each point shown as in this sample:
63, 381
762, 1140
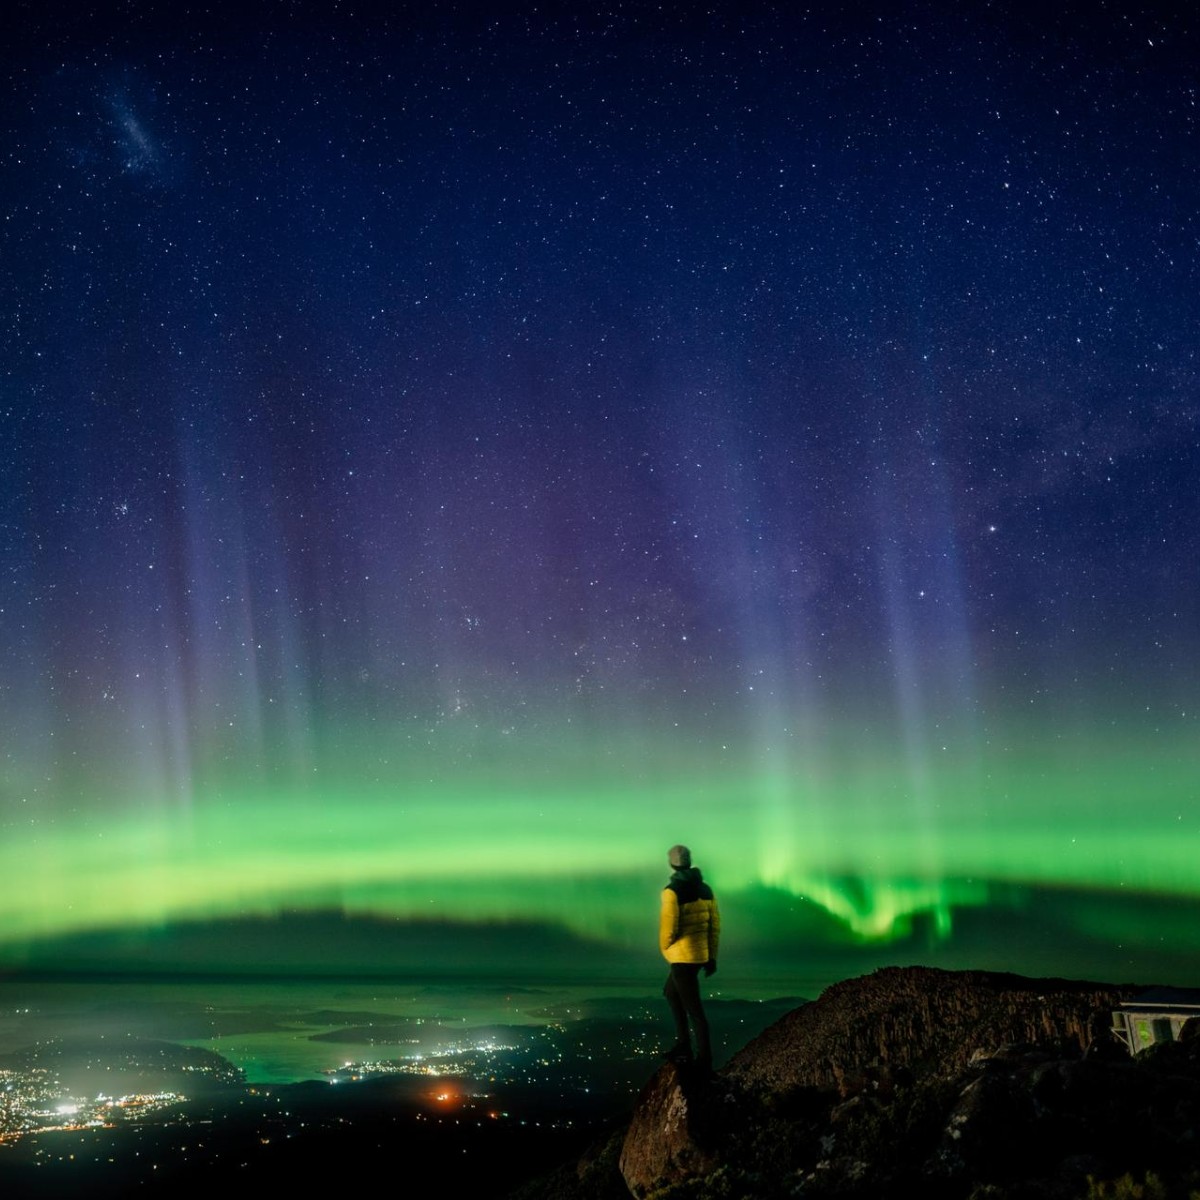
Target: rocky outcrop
834, 1065
676, 1131
947, 1085
921, 1019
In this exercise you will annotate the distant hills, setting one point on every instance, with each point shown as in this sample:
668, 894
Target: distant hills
321, 944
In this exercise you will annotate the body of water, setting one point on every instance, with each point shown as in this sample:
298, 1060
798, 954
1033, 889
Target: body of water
273, 1030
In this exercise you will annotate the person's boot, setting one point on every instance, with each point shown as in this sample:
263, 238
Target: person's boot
681, 1052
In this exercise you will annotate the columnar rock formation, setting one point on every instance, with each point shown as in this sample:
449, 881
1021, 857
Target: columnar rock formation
865, 1036
924, 1020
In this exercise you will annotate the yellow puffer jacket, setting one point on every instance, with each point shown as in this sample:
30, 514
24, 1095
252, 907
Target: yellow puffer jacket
689, 925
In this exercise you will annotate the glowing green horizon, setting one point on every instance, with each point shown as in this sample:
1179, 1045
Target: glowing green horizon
855, 839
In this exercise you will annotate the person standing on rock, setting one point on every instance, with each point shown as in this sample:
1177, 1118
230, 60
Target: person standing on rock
689, 929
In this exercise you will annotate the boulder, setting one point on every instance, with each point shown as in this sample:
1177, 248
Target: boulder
675, 1132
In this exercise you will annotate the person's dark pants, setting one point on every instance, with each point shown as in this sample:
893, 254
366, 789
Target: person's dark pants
682, 991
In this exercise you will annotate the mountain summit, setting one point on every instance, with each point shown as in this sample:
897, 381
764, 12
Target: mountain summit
914, 1081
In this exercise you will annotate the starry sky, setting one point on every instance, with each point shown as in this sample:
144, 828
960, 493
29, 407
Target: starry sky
448, 456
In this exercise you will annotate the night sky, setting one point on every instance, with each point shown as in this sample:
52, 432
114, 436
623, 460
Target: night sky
448, 455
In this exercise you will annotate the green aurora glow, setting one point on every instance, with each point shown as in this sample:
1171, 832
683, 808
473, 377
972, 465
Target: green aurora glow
481, 449
857, 844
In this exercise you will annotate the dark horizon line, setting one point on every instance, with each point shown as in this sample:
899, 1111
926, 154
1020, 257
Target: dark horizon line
234, 975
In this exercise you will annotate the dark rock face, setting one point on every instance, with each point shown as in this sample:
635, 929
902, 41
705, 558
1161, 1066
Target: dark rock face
950, 1085
921, 1019
675, 1132
917, 1082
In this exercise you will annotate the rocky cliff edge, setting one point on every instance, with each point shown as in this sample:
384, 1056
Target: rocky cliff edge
915, 1081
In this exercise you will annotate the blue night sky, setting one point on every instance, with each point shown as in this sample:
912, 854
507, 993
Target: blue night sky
448, 455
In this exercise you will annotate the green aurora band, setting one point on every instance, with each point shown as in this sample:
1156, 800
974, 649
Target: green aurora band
578, 841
